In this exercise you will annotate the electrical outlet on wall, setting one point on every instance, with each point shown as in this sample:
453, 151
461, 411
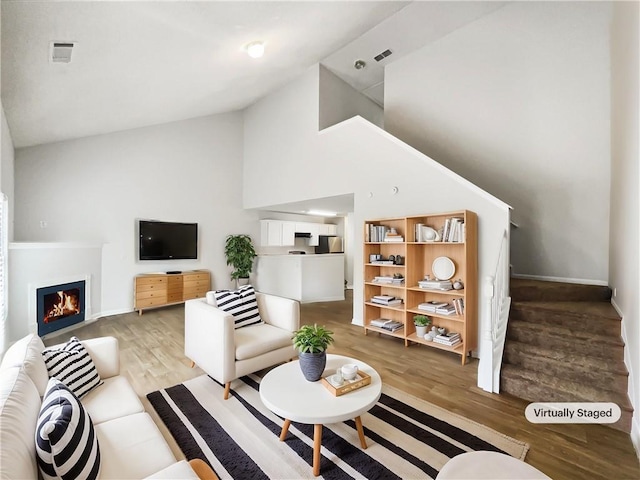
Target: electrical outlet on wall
43, 224
615, 292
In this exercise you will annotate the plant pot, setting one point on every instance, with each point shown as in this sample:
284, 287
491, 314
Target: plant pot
421, 331
242, 281
312, 365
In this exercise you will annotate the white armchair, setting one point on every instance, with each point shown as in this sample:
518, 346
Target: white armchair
224, 353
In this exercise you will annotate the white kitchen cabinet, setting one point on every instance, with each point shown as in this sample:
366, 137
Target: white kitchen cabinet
288, 234
309, 227
314, 228
302, 227
276, 233
328, 229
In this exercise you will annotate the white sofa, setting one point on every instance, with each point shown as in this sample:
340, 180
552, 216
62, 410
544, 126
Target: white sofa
131, 446
225, 353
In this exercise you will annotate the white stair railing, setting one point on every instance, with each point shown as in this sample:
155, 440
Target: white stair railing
496, 301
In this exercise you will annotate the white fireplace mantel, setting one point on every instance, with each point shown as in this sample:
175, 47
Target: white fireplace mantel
33, 265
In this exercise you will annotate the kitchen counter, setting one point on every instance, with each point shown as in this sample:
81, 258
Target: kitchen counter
306, 278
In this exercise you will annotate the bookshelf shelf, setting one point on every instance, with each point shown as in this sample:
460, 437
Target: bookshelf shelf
459, 229
387, 307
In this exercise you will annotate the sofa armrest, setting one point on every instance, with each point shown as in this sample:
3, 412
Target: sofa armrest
279, 311
105, 354
209, 339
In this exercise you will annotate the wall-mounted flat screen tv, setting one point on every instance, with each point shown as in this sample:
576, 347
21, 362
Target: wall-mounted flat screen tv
167, 240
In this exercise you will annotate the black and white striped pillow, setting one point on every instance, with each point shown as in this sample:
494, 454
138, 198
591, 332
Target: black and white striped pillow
72, 365
66, 443
241, 303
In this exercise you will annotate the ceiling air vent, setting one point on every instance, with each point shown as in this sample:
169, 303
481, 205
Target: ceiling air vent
61, 52
383, 55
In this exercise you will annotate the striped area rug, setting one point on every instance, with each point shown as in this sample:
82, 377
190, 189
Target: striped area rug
407, 438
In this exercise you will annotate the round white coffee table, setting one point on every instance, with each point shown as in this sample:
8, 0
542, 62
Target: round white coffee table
286, 392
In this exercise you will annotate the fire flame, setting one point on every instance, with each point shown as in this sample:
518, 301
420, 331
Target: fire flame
66, 305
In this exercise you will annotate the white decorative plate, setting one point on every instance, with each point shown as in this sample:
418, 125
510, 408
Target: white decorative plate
443, 268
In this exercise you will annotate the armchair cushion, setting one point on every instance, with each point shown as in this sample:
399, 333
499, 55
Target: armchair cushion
241, 303
259, 339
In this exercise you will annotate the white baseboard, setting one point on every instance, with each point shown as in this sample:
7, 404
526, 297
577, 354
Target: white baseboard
616, 308
635, 403
120, 311
545, 278
635, 434
324, 299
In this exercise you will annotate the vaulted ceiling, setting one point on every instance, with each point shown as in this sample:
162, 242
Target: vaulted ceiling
137, 64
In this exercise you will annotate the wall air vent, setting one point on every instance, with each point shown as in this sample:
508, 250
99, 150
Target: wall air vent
383, 55
61, 52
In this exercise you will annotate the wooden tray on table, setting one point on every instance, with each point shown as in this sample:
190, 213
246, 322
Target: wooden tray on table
361, 380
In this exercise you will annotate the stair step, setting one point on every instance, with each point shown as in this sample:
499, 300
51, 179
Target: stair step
574, 341
539, 387
596, 317
611, 375
537, 290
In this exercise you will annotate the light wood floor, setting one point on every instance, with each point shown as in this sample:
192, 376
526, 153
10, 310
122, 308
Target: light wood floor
152, 357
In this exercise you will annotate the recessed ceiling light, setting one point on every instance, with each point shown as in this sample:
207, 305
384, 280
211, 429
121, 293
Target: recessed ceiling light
255, 49
359, 64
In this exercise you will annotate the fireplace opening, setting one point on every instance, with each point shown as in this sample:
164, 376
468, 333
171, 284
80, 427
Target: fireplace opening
60, 306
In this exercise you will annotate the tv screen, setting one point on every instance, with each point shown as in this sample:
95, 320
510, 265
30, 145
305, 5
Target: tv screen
167, 240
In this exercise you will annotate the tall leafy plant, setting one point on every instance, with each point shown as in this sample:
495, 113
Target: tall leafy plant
240, 254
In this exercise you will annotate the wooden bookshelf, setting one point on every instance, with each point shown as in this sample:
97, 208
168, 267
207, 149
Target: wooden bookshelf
416, 260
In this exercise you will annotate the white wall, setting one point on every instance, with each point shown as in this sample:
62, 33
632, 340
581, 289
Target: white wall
93, 190
6, 186
7, 168
280, 128
340, 101
624, 263
518, 103
354, 157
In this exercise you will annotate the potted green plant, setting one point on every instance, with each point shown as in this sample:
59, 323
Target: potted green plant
240, 254
312, 342
421, 322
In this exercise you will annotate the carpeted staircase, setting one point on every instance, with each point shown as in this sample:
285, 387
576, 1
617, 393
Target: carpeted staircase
563, 345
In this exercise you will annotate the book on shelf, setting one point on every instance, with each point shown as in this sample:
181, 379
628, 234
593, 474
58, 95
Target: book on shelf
384, 297
393, 327
458, 303
381, 233
447, 342
388, 280
436, 284
431, 306
450, 339
451, 336
448, 309
453, 230
386, 324
383, 262
395, 301
417, 234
